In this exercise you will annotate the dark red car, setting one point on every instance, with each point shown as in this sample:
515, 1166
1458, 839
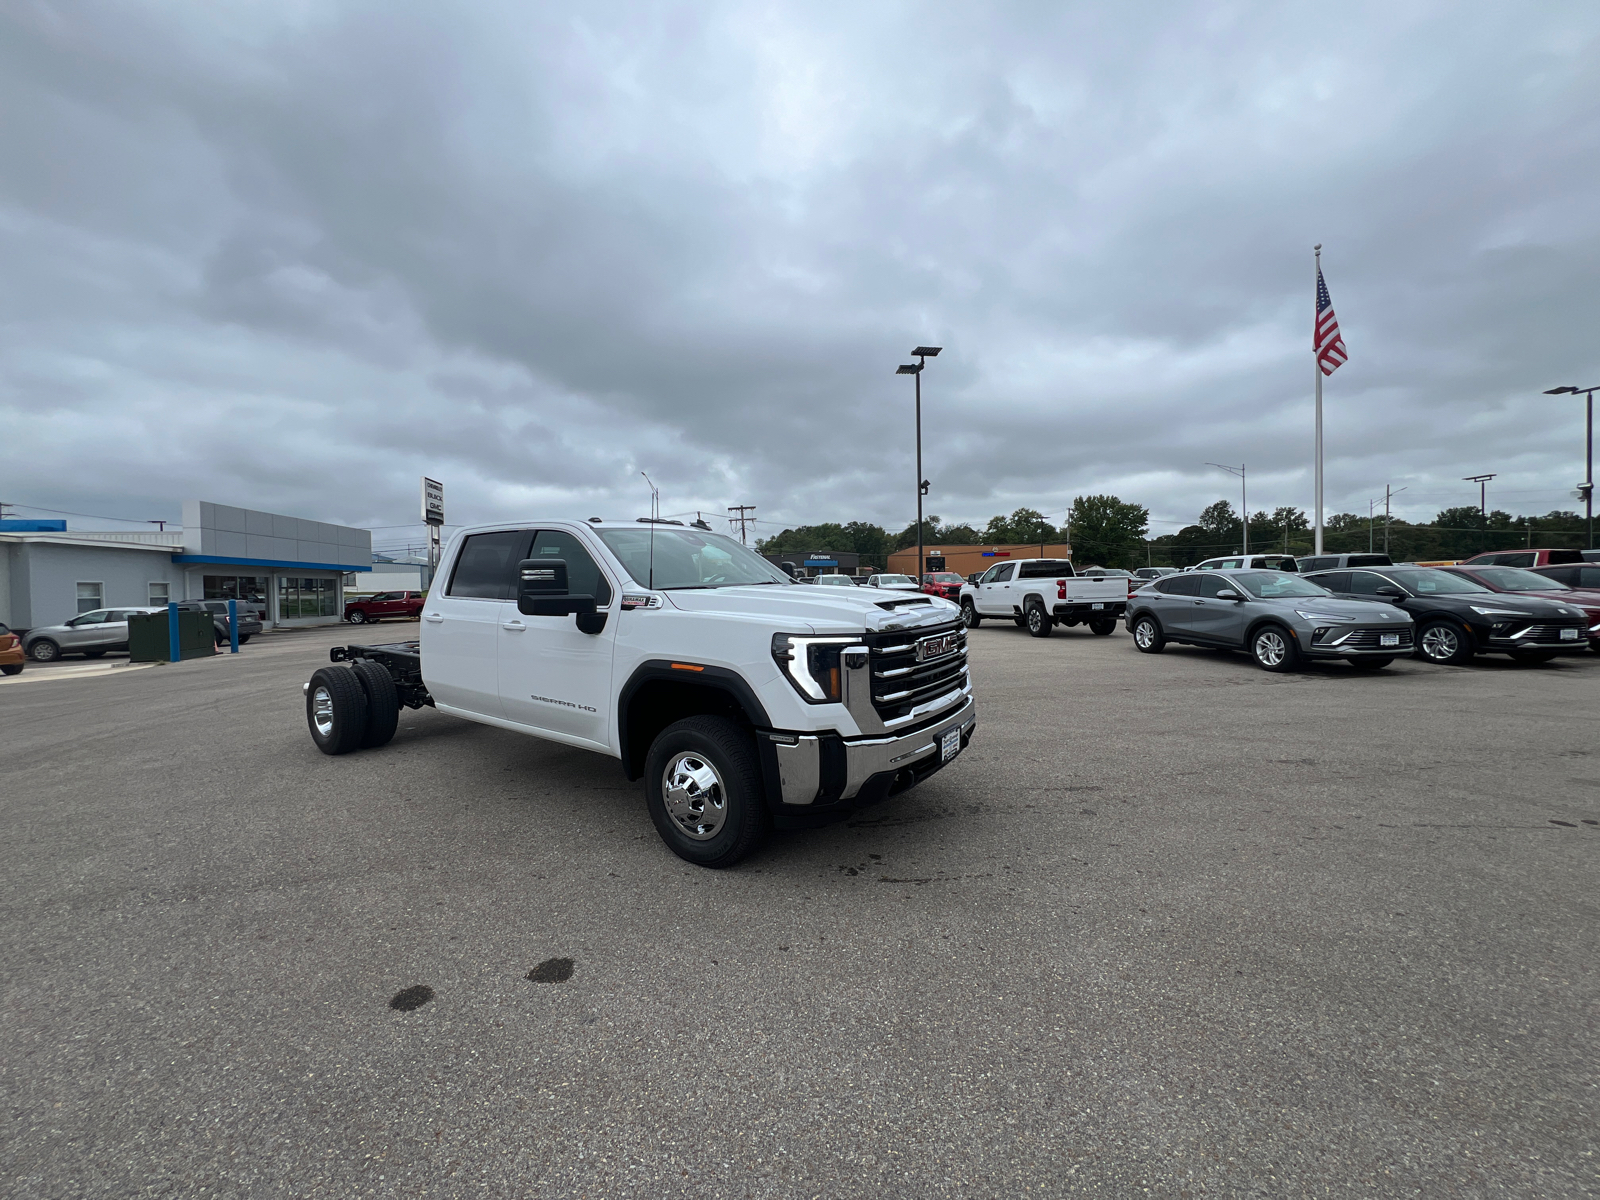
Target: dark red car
1536, 583
394, 605
943, 583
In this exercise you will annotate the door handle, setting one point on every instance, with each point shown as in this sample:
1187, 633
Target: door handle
516, 626
434, 617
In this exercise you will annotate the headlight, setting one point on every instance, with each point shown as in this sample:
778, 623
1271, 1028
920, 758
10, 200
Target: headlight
1317, 618
1499, 612
812, 664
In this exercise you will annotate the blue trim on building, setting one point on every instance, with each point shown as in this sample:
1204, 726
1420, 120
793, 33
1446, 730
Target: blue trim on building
267, 562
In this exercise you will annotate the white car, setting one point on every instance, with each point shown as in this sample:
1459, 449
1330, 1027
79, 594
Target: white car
835, 581
893, 583
743, 701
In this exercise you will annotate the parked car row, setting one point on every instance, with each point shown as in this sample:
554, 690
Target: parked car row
1367, 616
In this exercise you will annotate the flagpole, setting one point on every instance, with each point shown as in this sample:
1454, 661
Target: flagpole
1316, 368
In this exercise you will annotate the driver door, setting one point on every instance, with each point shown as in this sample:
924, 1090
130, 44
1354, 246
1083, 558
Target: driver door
555, 678
994, 597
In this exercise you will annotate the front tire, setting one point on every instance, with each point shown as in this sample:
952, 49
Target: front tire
969, 615
703, 789
1273, 649
1444, 642
1039, 622
336, 710
1103, 627
44, 650
1147, 636
357, 618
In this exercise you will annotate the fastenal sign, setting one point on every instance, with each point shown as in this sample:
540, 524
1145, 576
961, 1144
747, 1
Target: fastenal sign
432, 501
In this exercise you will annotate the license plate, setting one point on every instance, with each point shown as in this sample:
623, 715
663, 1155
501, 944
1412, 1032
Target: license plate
1388, 639
950, 744
937, 647
1569, 635
1097, 607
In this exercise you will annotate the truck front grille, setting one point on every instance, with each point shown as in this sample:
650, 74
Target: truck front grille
900, 683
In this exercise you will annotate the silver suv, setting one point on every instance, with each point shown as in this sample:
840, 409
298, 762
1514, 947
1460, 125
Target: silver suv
90, 634
1277, 617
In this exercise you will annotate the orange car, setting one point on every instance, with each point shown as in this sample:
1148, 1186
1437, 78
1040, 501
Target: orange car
11, 657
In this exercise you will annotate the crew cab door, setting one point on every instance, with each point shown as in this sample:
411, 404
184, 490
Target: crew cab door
555, 678
994, 594
461, 622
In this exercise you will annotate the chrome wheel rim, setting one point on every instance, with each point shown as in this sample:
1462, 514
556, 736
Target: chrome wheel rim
967, 613
1035, 619
322, 711
43, 652
1145, 634
1271, 649
358, 617
1440, 642
695, 799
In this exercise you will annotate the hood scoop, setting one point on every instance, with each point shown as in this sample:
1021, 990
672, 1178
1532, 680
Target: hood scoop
908, 602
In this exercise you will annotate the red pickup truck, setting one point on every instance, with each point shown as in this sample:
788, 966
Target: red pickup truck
402, 605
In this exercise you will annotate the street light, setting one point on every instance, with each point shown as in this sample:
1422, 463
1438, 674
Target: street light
1586, 488
1243, 502
923, 353
1483, 493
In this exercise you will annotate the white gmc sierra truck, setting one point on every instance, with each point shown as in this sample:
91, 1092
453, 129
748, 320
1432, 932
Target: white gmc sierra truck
1040, 593
743, 700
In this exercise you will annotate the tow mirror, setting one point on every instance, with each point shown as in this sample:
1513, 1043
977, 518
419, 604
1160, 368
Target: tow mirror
1229, 594
542, 591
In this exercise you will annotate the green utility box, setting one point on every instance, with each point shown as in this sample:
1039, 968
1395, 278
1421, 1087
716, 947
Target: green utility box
150, 640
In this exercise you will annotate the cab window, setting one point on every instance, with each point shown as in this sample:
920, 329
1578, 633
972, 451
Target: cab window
1003, 573
1210, 585
584, 577
486, 568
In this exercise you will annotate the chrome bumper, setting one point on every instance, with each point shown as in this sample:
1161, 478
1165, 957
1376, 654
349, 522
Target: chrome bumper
800, 755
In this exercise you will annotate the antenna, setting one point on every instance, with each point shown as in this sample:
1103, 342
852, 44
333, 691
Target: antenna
655, 515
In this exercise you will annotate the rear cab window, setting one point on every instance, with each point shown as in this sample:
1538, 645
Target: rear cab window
486, 568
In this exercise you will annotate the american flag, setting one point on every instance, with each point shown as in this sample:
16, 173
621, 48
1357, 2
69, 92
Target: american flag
1325, 339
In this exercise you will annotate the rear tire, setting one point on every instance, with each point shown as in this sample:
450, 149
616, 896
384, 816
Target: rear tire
1147, 636
11, 669
969, 615
245, 637
702, 785
1103, 627
383, 704
93, 653
1370, 664
1274, 649
1040, 624
336, 710
44, 650
1446, 643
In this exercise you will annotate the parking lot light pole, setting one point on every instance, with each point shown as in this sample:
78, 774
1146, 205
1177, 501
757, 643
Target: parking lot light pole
1586, 488
923, 353
1244, 501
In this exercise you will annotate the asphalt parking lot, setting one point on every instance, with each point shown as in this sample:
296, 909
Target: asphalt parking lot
1171, 925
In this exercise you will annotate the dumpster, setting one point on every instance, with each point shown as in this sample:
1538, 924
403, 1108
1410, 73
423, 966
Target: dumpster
149, 636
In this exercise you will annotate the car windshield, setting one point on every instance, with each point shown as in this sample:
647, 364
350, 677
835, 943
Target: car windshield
835, 580
687, 558
1515, 579
1270, 585
1435, 583
945, 577
891, 580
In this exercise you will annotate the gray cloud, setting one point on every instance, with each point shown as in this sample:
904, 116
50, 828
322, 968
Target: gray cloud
296, 256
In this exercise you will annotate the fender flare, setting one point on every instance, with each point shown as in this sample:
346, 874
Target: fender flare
712, 678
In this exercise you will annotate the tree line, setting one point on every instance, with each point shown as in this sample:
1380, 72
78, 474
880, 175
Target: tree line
1109, 532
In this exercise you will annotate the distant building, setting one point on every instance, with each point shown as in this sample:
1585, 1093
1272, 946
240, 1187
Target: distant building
289, 568
968, 560
818, 562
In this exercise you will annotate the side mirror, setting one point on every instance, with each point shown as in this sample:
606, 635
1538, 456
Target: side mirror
542, 592
1229, 594
1392, 593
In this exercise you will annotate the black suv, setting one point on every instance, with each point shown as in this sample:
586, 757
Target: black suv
1457, 618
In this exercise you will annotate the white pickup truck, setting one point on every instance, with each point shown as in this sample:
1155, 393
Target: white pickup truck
1040, 593
743, 700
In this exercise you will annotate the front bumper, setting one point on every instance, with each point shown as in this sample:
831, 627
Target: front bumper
1361, 641
826, 774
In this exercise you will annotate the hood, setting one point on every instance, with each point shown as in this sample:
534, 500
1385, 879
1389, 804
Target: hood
1366, 610
1531, 604
824, 610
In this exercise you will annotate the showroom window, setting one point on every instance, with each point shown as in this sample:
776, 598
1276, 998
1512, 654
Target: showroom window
236, 587
160, 593
90, 596
307, 597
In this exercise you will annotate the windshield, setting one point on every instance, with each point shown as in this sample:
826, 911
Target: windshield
687, 558
1435, 583
946, 577
1515, 579
891, 580
1270, 585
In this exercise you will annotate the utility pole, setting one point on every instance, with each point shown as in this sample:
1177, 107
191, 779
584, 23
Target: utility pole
741, 509
1244, 500
1387, 494
1483, 493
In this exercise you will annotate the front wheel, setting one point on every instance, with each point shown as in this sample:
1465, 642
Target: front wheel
1039, 621
357, 618
1370, 664
44, 650
703, 790
1273, 649
336, 710
1444, 642
1103, 627
1147, 636
969, 615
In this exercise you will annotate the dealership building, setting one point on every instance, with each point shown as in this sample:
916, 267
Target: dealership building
291, 568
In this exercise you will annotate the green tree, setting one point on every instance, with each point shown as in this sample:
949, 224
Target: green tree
1221, 522
1021, 527
1108, 531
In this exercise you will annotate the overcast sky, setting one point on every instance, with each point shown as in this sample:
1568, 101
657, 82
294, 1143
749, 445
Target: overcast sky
293, 255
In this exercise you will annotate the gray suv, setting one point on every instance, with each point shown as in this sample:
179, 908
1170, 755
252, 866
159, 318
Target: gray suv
90, 634
1278, 618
